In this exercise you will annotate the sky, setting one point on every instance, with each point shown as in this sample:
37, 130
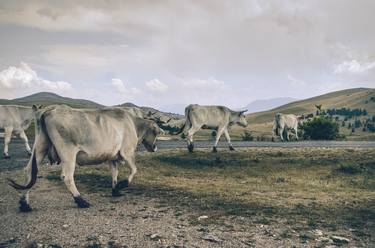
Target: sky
167, 54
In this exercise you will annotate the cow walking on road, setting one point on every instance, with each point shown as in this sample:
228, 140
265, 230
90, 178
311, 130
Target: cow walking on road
217, 118
285, 123
87, 136
15, 119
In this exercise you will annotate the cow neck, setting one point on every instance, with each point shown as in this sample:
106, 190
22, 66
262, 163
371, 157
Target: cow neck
232, 118
140, 126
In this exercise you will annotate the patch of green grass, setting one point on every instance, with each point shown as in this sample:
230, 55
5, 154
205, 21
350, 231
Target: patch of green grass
350, 169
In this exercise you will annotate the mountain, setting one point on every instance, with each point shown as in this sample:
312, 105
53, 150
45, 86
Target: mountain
350, 98
164, 115
266, 104
48, 98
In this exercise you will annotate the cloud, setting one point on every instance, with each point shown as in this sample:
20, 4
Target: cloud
294, 82
203, 84
221, 52
353, 66
24, 79
121, 89
156, 86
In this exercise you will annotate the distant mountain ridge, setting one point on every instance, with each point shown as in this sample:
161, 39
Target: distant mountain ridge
267, 104
48, 98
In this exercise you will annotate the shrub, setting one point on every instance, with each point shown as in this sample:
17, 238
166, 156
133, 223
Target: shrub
350, 169
320, 128
247, 136
183, 136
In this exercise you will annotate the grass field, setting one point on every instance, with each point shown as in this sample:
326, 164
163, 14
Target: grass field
294, 190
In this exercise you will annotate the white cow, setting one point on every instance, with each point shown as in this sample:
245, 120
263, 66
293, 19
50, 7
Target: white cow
217, 118
285, 123
15, 119
87, 136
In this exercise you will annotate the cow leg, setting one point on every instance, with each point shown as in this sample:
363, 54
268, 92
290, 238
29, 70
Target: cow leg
133, 168
296, 133
7, 137
114, 173
287, 135
217, 138
281, 133
227, 137
68, 167
26, 141
190, 142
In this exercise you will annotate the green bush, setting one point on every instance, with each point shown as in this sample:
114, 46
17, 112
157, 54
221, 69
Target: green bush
320, 128
350, 169
247, 136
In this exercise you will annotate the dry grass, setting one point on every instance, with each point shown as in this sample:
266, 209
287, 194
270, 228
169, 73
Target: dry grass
301, 188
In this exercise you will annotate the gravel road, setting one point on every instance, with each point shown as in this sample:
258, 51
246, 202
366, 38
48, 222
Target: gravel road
328, 144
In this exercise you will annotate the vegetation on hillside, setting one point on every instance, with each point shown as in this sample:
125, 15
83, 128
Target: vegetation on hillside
320, 128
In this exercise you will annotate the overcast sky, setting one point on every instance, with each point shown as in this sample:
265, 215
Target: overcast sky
167, 54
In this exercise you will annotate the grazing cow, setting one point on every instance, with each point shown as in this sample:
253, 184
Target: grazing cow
211, 117
285, 123
87, 136
16, 119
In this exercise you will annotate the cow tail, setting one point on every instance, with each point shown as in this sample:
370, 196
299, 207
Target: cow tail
33, 176
187, 122
276, 124
34, 165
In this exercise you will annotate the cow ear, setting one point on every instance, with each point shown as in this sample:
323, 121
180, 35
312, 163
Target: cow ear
35, 108
242, 112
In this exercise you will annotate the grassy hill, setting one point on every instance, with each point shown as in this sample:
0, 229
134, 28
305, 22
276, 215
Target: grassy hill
47, 98
261, 123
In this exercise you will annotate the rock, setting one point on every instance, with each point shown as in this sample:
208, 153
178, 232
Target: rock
340, 240
203, 229
203, 217
318, 232
212, 238
54, 246
32, 244
324, 240
92, 237
65, 226
154, 236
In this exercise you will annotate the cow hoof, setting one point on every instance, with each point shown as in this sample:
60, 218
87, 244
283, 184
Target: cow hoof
232, 148
214, 149
6, 156
24, 206
191, 147
122, 184
81, 202
116, 193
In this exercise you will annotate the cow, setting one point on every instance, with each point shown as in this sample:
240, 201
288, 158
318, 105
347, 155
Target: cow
15, 119
87, 136
285, 123
217, 118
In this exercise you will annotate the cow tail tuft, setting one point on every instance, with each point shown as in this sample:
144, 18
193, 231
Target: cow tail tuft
33, 176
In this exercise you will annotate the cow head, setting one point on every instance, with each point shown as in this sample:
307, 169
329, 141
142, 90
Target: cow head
239, 118
150, 135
